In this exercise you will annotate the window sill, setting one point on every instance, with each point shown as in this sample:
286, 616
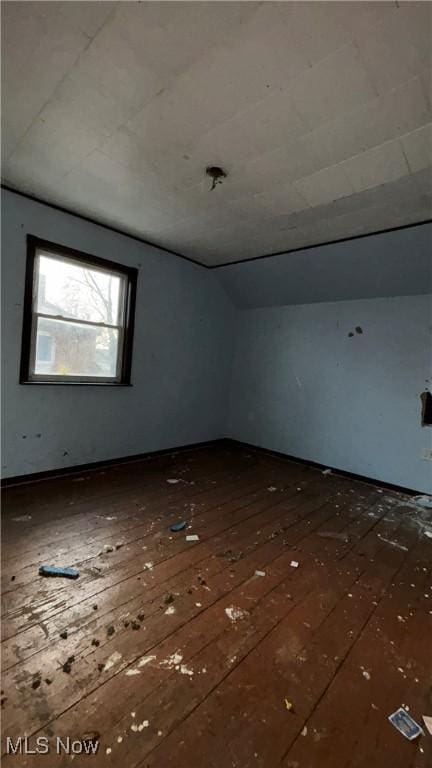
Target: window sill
78, 383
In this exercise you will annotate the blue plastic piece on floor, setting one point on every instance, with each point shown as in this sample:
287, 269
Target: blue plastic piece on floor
53, 570
178, 526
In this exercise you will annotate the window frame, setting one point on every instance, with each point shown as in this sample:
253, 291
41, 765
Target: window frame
126, 330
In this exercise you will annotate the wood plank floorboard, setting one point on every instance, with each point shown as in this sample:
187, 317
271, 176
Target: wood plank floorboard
179, 654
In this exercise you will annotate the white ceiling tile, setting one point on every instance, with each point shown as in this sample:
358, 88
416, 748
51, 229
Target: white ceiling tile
111, 64
311, 28
184, 33
376, 166
89, 17
401, 110
389, 64
294, 160
77, 104
325, 186
270, 123
51, 127
414, 20
281, 200
39, 164
393, 38
332, 87
417, 146
38, 49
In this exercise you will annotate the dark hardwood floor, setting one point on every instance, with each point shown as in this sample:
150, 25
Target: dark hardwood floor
216, 653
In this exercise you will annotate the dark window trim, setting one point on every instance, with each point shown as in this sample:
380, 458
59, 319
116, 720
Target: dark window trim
131, 273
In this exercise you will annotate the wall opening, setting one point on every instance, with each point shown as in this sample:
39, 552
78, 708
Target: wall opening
426, 411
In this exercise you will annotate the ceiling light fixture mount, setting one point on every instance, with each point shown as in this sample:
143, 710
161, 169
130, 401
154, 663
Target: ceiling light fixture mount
216, 174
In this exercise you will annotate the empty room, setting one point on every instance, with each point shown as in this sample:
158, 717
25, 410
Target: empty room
216, 255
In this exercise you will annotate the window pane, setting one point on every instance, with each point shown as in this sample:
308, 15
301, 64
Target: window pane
72, 349
73, 290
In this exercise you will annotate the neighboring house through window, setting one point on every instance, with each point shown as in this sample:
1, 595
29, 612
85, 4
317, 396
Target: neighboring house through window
78, 317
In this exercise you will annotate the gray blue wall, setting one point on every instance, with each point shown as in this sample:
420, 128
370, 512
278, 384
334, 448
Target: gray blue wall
259, 352
181, 355
301, 385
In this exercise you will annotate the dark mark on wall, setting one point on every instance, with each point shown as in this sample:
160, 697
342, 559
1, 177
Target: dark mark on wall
359, 329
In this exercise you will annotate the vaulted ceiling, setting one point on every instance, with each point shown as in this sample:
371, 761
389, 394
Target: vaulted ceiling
319, 112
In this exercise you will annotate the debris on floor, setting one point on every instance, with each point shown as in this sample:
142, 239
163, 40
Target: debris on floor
423, 501
331, 535
289, 705
114, 659
405, 724
192, 537
22, 518
272, 489
260, 573
67, 666
326, 472
172, 480
294, 564
53, 570
139, 727
173, 661
235, 614
184, 670
428, 723
178, 526
393, 543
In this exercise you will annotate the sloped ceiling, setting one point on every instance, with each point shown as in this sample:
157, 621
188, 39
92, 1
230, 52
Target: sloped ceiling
320, 113
397, 263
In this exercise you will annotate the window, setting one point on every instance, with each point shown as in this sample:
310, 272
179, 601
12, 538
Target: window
78, 317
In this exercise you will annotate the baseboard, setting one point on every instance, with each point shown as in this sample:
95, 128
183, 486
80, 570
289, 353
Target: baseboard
93, 466
317, 465
51, 474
